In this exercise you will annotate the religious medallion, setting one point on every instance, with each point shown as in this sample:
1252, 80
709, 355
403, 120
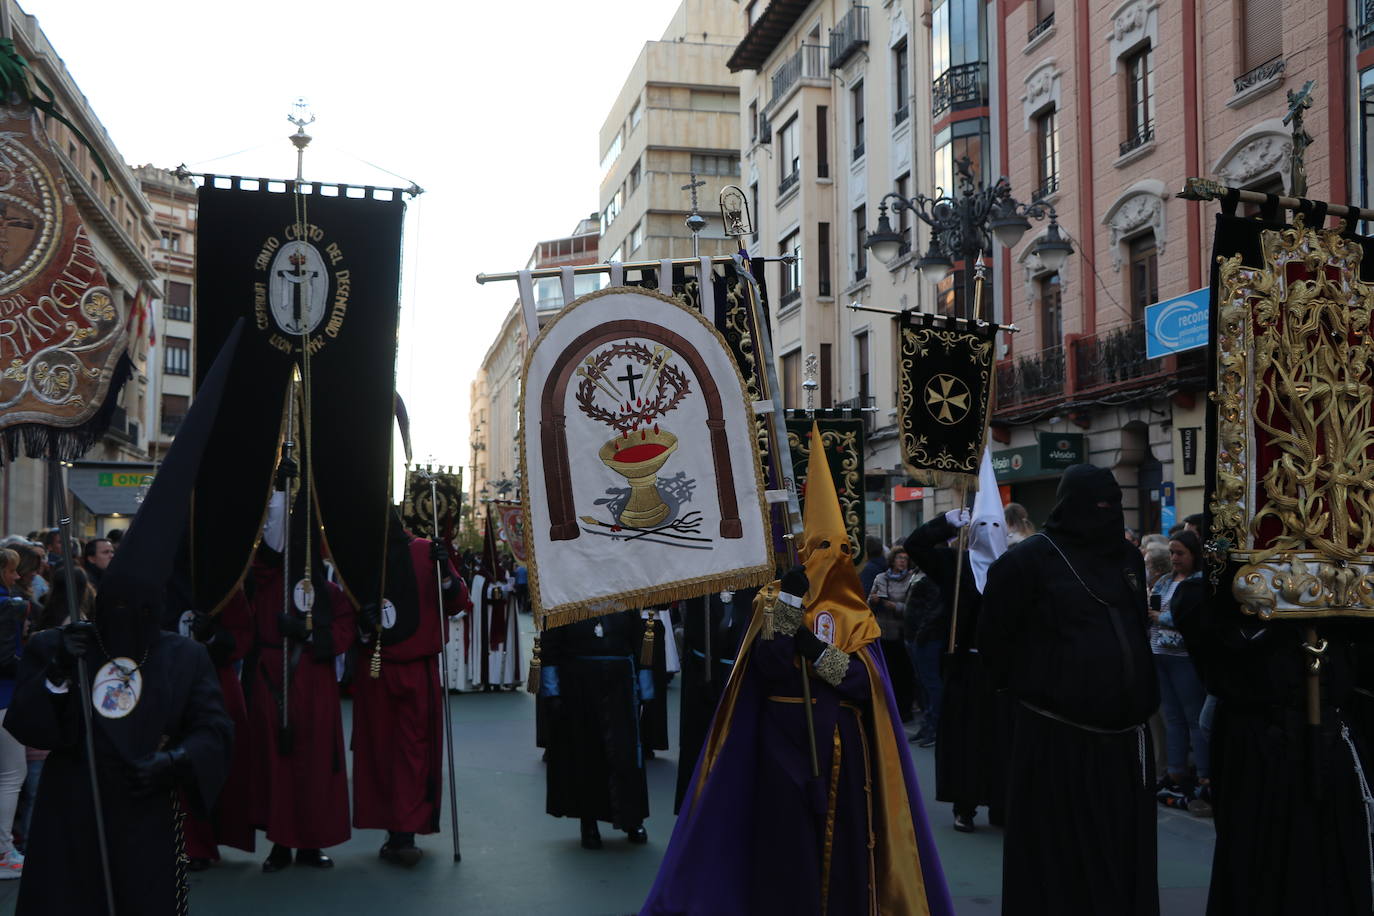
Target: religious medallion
118, 686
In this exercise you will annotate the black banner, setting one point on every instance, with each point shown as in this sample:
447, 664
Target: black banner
1188, 442
417, 512
843, 438
335, 282
945, 376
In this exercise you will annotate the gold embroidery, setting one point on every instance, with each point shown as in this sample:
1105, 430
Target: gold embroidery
829, 848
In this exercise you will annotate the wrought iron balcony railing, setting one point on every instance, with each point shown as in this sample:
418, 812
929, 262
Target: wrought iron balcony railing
791, 296
1041, 27
789, 182
1113, 357
959, 87
808, 62
1047, 187
1261, 74
865, 407
1139, 138
848, 36
1034, 377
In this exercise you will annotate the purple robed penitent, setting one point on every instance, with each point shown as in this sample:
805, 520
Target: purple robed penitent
753, 842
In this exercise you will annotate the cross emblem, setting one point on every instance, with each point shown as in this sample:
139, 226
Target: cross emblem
947, 399
297, 276
692, 186
630, 377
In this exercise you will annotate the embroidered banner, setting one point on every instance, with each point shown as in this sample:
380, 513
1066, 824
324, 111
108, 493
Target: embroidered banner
945, 374
843, 437
1290, 475
510, 519
642, 481
418, 513
324, 269
63, 336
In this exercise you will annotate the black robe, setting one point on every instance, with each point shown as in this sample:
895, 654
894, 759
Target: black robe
700, 695
181, 702
595, 765
653, 723
974, 736
1081, 810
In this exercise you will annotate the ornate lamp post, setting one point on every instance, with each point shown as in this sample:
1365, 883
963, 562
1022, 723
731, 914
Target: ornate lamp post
963, 225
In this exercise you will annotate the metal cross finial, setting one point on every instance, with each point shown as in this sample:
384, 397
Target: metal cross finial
1297, 102
809, 372
692, 186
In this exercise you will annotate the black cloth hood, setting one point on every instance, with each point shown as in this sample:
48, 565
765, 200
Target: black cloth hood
1079, 518
402, 588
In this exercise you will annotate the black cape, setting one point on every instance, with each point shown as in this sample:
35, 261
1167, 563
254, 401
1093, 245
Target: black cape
180, 700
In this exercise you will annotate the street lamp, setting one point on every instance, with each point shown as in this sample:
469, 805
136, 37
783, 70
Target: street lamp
963, 226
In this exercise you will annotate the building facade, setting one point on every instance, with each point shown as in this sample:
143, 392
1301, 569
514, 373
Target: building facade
1108, 109
834, 118
119, 222
677, 117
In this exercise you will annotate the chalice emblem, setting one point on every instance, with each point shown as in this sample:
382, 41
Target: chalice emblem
630, 387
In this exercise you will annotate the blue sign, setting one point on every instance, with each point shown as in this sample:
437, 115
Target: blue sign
1177, 324
1167, 512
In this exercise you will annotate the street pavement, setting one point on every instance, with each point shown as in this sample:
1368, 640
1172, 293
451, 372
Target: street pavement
518, 860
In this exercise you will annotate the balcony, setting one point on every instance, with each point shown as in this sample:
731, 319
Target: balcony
1041, 27
858, 150
1262, 74
901, 114
1048, 187
1139, 137
850, 35
1113, 358
960, 87
122, 428
1031, 378
789, 298
789, 182
807, 63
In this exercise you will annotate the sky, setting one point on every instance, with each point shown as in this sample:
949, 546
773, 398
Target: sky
493, 109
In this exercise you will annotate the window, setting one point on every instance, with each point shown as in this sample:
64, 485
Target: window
1051, 312
856, 105
178, 358
1047, 151
178, 306
636, 114
636, 238
791, 380
791, 273
174, 407
703, 100
904, 215
613, 208
1044, 14
861, 376
957, 34
1140, 103
827, 388
634, 177
171, 241
823, 257
860, 236
1261, 32
822, 141
789, 159
612, 154
902, 73
949, 295
753, 121
1144, 275
754, 208
715, 165
962, 138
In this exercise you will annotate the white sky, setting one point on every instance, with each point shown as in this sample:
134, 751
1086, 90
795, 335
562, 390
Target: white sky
493, 108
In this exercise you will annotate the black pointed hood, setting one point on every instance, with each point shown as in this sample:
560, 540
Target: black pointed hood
132, 591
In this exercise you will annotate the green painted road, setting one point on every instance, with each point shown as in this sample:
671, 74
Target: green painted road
518, 860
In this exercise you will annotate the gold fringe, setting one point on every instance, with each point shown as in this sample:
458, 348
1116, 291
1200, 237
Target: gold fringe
376, 666
533, 681
646, 644
644, 597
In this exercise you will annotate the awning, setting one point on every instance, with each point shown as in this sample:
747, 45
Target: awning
109, 488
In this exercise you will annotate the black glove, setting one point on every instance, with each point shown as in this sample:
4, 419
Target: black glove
74, 641
370, 618
287, 471
202, 626
438, 553
159, 770
809, 645
292, 627
794, 582
221, 647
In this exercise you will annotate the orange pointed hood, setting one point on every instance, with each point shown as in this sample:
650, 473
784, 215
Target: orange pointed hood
836, 607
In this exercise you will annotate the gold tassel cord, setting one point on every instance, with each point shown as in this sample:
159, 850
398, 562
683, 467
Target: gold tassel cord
532, 682
646, 647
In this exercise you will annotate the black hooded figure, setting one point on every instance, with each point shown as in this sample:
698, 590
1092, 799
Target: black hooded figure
158, 717
1063, 629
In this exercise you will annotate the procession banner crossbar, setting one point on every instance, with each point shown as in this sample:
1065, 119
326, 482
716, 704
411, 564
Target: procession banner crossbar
941, 322
1202, 189
287, 185
628, 265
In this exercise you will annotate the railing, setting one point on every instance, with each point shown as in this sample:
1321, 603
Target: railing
789, 182
1112, 357
172, 423
901, 114
1033, 377
858, 150
808, 62
1041, 27
1047, 187
176, 312
1261, 74
865, 407
848, 36
1364, 32
789, 297
961, 86
1138, 139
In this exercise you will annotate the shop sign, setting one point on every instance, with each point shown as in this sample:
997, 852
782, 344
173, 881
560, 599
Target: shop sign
1062, 450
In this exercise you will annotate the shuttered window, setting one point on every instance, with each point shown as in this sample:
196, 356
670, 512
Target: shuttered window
1262, 34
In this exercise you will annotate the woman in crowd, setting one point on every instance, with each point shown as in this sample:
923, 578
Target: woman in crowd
888, 601
1019, 525
13, 764
1174, 597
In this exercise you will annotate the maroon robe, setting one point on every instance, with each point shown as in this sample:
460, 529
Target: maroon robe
231, 824
398, 719
300, 798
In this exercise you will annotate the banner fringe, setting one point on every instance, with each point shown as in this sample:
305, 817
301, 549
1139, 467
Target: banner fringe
565, 614
42, 440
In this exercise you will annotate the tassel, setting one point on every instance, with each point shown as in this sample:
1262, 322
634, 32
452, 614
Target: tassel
646, 648
532, 684
376, 666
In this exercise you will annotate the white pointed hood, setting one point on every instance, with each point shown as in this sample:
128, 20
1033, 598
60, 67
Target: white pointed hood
987, 533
